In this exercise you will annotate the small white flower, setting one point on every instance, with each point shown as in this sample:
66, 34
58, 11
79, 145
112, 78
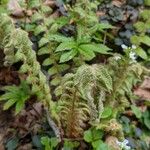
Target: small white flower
133, 47
124, 46
117, 57
124, 145
132, 55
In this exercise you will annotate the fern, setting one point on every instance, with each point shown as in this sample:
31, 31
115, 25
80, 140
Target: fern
16, 95
91, 81
17, 47
73, 109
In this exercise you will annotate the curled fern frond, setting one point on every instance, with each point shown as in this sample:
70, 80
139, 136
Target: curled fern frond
73, 109
94, 81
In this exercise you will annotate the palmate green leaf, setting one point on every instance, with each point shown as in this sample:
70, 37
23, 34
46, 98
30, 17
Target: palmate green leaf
54, 142
97, 134
39, 29
92, 135
70, 145
49, 143
87, 53
88, 136
96, 48
36, 17
53, 70
102, 146
96, 144
55, 81
68, 55
59, 38
145, 40
68, 45
46, 142
63, 67
136, 111
135, 40
34, 3
43, 41
47, 62
146, 116
140, 52
44, 50
100, 27
107, 112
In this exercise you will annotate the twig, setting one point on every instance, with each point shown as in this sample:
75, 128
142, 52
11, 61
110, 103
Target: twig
53, 125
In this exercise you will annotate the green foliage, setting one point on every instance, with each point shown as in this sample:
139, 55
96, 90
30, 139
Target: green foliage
147, 2
82, 44
92, 92
73, 109
16, 95
91, 95
60, 48
107, 112
142, 37
49, 143
69, 145
12, 144
17, 47
3, 6
85, 49
146, 120
94, 137
136, 111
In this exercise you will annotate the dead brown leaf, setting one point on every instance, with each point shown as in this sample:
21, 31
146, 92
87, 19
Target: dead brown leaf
146, 83
100, 13
118, 3
1, 142
28, 120
8, 76
143, 91
15, 9
27, 146
51, 3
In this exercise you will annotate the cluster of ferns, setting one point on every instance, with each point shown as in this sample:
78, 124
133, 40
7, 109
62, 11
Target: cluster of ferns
81, 95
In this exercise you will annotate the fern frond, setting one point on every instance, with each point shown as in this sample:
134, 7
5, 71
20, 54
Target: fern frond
73, 111
18, 47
